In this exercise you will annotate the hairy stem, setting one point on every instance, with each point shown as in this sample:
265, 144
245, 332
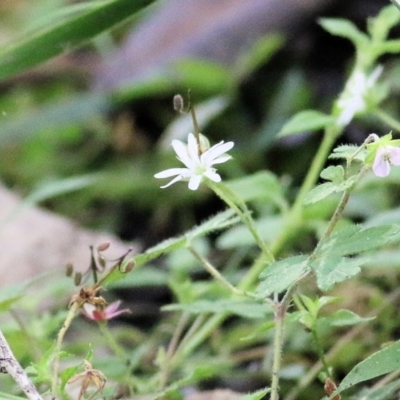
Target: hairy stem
57, 351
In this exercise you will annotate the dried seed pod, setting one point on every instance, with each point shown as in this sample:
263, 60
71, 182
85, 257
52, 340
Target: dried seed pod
69, 269
330, 387
179, 104
128, 267
103, 246
78, 278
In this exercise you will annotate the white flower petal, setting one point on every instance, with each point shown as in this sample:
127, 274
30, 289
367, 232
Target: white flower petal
394, 155
221, 159
381, 166
181, 151
211, 174
176, 179
194, 182
193, 148
171, 172
216, 151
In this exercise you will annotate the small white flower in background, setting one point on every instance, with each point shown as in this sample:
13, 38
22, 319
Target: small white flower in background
385, 153
199, 163
386, 156
353, 99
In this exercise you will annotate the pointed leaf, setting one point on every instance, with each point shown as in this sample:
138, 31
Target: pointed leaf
354, 239
245, 309
324, 190
382, 362
333, 269
333, 173
306, 121
278, 276
345, 29
260, 394
42, 44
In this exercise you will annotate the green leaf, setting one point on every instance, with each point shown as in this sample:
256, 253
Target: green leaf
382, 393
278, 276
306, 121
333, 269
380, 26
219, 221
202, 76
343, 318
256, 395
354, 239
344, 28
333, 173
382, 362
139, 277
10, 294
260, 53
268, 228
262, 185
346, 151
324, 190
38, 46
66, 112
245, 309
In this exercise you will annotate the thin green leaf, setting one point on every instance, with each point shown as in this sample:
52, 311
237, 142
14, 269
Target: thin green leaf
382, 362
256, 395
41, 45
324, 190
343, 318
66, 112
306, 121
382, 393
10, 294
219, 221
344, 28
268, 227
260, 53
245, 309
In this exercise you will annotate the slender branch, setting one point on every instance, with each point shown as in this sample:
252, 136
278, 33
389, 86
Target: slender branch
56, 363
218, 276
10, 364
278, 344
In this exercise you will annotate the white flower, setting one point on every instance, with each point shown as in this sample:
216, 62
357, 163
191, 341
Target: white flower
386, 156
353, 99
198, 165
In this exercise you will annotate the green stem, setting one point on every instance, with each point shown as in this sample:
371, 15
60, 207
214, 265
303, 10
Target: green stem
388, 119
111, 342
278, 344
320, 352
217, 275
57, 351
120, 353
240, 207
294, 216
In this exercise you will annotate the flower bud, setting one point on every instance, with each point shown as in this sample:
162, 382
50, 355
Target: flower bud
69, 269
178, 103
78, 278
103, 246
